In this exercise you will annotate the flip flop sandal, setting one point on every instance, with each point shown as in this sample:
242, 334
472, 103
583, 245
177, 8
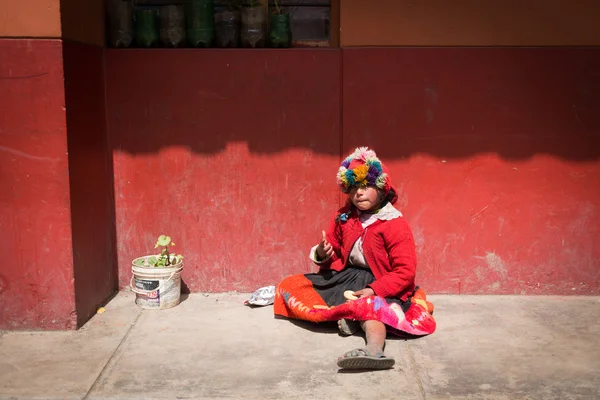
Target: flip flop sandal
362, 359
348, 327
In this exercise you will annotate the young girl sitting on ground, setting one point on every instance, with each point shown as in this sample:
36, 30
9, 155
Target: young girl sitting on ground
367, 254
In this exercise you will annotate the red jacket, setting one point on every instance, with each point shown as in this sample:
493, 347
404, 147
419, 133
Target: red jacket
389, 249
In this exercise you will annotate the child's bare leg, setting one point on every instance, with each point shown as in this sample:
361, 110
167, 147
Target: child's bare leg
371, 357
375, 332
348, 327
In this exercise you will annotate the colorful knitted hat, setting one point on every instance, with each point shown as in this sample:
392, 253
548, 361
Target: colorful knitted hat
363, 168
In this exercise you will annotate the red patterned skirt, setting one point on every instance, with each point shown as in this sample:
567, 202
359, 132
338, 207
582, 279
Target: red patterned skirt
319, 298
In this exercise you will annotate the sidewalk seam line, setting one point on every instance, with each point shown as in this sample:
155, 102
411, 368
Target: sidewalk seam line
112, 356
415, 370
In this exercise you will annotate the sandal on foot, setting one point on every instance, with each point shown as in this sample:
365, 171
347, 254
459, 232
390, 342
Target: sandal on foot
362, 359
348, 327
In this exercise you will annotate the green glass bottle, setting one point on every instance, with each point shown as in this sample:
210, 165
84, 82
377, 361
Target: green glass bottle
280, 33
146, 28
199, 20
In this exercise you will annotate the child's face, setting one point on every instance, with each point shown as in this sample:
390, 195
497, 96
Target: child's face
365, 198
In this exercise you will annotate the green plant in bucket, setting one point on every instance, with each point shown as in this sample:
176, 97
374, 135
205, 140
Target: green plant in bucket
164, 259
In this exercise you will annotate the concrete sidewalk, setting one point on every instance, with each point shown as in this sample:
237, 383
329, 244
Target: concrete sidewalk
213, 347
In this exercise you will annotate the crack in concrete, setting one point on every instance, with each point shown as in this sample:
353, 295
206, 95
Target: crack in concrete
112, 356
415, 369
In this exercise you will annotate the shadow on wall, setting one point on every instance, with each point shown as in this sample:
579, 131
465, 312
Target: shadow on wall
205, 100
459, 102
446, 102
91, 179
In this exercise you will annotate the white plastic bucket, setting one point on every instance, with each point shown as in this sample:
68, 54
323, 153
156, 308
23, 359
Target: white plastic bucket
156, 287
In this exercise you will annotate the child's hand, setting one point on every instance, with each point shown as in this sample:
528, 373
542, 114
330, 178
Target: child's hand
366, 292
324, 249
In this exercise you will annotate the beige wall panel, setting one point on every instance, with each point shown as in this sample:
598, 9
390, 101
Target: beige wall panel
30, 18
470, 23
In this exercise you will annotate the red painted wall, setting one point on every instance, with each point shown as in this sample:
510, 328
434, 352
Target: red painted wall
91, 178
36, 279
495, 151
229, 152
497, 155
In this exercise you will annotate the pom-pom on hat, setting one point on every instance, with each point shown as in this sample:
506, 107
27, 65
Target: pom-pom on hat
362, 168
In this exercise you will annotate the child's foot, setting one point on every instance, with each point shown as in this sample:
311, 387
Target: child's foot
348, 327
363, 359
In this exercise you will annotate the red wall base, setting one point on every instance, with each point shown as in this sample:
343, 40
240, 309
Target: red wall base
36, 279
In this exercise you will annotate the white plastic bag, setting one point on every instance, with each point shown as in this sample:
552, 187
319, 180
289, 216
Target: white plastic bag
262, 297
